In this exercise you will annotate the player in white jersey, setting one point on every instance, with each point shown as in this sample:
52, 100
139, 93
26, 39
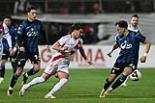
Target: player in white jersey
59, 63
7, 46
133, 25
1, 36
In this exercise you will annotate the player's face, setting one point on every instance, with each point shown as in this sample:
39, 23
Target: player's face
32, 15
7, 21
134, 21
120, 30
77, 33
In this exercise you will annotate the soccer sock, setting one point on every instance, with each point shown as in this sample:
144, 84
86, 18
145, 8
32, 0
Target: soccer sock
125, 80
35, 81
119, 81
59, 85
13, 66
107, 84
2, 70
32, 71
14, 80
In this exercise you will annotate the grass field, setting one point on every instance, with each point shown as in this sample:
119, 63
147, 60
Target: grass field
84, 87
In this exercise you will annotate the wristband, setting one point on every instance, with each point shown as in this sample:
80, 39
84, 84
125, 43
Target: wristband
145, 54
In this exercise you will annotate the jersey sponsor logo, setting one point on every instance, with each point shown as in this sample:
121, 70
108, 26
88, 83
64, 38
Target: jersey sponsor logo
126, 45
32, 32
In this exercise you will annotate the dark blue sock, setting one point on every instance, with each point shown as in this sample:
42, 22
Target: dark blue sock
13, 66
31, 72
2, 70
107, 84
14, 80
119, 81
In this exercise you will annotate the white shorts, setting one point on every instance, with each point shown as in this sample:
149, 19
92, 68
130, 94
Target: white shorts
58, 65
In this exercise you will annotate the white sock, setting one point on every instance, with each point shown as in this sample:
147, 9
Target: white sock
59, 85
35, 81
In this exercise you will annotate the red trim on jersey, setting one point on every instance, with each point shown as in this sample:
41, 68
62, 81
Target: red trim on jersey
57, 57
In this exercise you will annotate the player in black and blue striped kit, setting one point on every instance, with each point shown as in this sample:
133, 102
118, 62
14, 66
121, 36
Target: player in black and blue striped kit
28, 35
128, 42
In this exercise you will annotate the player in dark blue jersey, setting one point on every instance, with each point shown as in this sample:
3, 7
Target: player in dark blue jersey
28, 35
128, 42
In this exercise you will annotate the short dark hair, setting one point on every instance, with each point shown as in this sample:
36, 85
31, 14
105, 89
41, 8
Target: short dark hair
135, 15
76, 27
30, 8
122, 23
7, 16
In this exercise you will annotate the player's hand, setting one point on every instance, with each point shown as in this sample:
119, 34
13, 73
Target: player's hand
109, 54
22, 49
89, 62
48, 47
143, 59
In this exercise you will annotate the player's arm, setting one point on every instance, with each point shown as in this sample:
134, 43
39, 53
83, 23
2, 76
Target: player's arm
115, 46
82, 52
20, 37
147, 45
8, 38
57, 46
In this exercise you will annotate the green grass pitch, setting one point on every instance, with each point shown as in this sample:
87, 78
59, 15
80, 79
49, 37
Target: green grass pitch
84, 86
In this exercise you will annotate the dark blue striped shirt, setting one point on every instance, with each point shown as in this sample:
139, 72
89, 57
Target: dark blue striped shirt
129, 46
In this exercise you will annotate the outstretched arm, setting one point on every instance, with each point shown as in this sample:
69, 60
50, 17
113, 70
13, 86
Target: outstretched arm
146, 50
82, 52
115, 46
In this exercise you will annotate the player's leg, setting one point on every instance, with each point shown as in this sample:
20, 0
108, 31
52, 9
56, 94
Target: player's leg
114, 73
124, 84
2, 69
49, 70
35, 81
35, 69
63, 75
63, 79
127, 71
2, 65
14, 79
20, 62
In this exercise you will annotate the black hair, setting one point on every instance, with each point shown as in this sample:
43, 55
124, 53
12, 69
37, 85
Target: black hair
30, 8
135, 15
122, 24
75, 27
7, 16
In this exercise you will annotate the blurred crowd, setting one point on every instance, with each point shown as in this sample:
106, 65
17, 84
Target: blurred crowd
94, 31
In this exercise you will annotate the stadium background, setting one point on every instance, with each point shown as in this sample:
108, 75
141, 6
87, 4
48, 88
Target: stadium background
98, 18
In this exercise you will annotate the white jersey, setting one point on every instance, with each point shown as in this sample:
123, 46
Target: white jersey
1, 37
72, 44
135, 29
7, 35
60, 61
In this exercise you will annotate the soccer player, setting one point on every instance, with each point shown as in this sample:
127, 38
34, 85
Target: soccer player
125, 64
28, 35
7, 46
132, 26
66, 46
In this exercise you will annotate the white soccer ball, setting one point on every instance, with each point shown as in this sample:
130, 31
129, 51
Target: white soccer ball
135, 75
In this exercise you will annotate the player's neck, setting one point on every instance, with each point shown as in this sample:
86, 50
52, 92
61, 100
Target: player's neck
126, 33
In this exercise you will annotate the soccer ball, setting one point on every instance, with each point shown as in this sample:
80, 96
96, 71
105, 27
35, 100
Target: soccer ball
135, 75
